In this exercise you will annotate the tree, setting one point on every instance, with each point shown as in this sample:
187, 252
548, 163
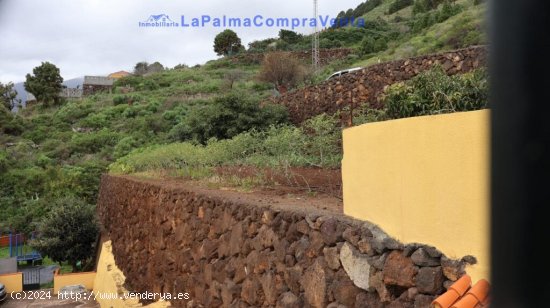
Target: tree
45, 83
282, 69
8, 95
69, 232
144, 68
155, 68
289, 36
227, 43
368, 45
141, 68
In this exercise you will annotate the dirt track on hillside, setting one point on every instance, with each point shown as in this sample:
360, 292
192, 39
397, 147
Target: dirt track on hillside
278, 196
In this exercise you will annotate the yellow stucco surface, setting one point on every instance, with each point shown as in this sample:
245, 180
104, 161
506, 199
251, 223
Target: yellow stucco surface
12, 282
109, 279
86, 279
425, 180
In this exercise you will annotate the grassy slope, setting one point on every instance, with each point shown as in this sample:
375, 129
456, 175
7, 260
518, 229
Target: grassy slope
51, 158
468, 23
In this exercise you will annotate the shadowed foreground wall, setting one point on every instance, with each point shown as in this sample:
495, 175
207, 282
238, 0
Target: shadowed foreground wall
225, 252
424, 179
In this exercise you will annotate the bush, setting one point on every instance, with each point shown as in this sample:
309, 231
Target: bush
124, 146
282, 69
226, 117
434, 92
120, 99
93, 142
131, 81
370, 45
69, 232
399, 5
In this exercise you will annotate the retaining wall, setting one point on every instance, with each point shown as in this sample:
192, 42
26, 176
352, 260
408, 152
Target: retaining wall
365, 86
226, 252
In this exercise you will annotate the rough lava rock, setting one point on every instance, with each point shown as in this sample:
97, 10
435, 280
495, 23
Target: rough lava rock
356, 265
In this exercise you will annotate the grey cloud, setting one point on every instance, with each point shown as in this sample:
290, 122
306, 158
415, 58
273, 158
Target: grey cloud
99, 36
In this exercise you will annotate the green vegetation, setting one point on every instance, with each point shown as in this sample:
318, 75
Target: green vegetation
8, 95
227, 43
315, 144
435, 92
45, 83
399, 5
225, 117
142, 68
393, 29
68, 232
48, 152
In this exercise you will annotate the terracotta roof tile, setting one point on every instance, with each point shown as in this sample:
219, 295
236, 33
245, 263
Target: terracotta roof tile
460, 295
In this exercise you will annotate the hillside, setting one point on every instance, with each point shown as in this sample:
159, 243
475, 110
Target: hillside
445, 25
190, 122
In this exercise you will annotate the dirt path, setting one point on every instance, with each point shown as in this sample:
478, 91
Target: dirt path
277, 196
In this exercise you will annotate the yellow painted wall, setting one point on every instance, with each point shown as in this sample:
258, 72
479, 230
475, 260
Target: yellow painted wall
110, 280
86, 279
12, 282
425, 180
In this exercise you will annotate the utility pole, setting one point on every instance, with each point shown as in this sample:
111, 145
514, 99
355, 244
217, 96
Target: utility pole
315, 40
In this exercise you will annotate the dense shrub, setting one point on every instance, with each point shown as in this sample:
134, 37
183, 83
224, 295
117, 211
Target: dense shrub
225, 117
371, 45
282, 70
434, 92
9, 123
399, 5
93, 142
424, 20
421, 6
125, 146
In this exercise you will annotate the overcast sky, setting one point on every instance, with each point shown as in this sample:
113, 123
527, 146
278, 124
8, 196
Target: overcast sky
98, 37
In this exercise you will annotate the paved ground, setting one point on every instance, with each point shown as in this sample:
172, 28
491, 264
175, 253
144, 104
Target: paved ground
54, 302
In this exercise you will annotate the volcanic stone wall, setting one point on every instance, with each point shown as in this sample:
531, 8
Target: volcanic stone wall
365, 86
232, 254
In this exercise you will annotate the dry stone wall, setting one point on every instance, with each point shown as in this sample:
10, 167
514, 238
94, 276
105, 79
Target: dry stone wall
227, 253
365, 86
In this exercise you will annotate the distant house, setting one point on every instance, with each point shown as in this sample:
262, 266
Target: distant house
119, 74
95, 84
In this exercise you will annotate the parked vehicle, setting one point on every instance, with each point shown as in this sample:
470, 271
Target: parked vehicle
3, 293
343, 72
